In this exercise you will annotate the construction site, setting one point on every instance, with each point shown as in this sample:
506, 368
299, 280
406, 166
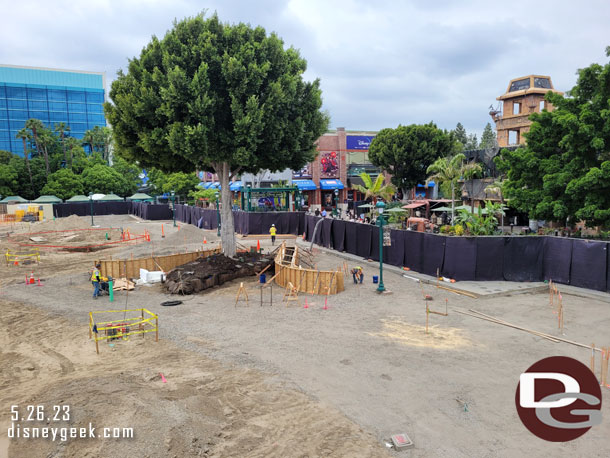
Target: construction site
277, 352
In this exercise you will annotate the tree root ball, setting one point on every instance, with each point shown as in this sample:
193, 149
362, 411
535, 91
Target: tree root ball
205, 273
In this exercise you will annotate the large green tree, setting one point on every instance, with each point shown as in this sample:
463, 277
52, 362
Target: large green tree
407, 151
460, 134
64, 184
214, 96
181, 183
105, 180
9, 185
563, 172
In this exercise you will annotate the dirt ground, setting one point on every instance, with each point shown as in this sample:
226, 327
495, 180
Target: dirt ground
283, 381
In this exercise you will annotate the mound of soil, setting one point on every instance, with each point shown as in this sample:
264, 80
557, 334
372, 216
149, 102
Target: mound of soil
204, 273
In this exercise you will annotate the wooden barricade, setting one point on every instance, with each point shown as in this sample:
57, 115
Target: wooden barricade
130, 268
305, 280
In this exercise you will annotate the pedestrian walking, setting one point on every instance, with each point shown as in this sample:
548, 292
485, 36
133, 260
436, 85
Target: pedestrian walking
273, 231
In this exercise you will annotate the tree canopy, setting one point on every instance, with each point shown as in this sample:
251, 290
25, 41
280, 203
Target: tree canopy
407, 151
64, 184
563, 172
217, 96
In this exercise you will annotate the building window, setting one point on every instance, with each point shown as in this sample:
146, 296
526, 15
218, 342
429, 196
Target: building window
513, 137
516, 108
542, 105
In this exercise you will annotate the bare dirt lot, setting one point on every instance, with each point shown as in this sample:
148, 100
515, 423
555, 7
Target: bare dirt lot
282, 381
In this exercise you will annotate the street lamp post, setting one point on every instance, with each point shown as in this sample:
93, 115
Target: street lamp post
337, 211
217, 214
91, 204
380, 206
173, 197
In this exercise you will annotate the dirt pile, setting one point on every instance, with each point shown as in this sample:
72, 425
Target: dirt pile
204, 273
61, 224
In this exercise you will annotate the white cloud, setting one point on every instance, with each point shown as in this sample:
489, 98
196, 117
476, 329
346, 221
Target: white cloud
380, 63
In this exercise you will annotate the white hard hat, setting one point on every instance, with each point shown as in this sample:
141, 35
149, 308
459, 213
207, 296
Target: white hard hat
273, 225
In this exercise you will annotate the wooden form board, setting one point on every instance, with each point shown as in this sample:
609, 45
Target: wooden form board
130, 268
306, 280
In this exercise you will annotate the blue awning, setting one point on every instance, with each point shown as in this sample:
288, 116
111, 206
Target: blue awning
215, 185
331, 184
236, 186
305, 185
430, 185
206, 185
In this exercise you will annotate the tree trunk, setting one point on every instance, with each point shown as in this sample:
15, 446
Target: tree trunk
452, 203
227, 231
63, 146
27, 161
472, 196
404, 195
46, 159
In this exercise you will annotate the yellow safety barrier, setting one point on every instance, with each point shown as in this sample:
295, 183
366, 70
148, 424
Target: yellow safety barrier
12, 258
123, 327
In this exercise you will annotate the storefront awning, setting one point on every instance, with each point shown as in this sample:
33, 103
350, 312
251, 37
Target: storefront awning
414, 205
215, 185
236, 186
331, 184
430, 185
305, 185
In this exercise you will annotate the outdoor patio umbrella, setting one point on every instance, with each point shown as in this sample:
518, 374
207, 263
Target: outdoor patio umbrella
397, 210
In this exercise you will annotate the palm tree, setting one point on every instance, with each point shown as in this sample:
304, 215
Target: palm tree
62, 128
45, 139
450, 170
72, 143
375, 189
37, 127
24, 134
89, 139
470, 174
105, 139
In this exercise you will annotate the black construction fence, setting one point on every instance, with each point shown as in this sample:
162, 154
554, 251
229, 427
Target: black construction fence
246, 223
576, 262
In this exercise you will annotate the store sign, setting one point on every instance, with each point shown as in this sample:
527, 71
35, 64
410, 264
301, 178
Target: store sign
362, 142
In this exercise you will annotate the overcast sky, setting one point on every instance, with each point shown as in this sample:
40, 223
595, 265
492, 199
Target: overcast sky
380, 63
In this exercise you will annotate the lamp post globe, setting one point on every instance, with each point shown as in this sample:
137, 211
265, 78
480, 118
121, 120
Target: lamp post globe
380, 206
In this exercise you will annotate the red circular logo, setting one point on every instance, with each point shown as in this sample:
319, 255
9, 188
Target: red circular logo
558, 399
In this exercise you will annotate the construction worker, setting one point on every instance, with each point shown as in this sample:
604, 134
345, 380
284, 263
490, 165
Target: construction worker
273, 231
358, 273
96, 278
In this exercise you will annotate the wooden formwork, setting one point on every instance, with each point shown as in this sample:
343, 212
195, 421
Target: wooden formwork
130, 268
305, 280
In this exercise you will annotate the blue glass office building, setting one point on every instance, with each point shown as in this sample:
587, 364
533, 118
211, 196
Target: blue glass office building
52, 96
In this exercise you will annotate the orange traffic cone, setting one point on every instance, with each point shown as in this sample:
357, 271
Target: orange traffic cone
325, 303
258, 246
162, 232
32, 281
306, 306
205, 240
16, 263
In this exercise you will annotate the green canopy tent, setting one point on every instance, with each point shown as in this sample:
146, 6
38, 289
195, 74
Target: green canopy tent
79, 198
13, 200
111, 198
47, 200
396, 210
141, 197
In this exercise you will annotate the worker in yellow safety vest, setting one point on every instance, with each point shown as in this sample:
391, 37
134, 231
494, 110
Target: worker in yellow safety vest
96, 278
358, 274
273, 231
